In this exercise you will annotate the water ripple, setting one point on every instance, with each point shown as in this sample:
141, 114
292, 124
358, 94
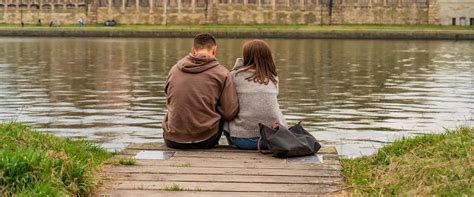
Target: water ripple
355, 94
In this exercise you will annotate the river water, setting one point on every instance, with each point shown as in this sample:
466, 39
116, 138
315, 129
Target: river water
355, 94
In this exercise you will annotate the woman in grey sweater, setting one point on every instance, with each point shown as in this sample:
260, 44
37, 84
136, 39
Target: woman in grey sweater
255, 79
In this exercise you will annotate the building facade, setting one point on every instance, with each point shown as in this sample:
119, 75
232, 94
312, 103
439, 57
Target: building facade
445, 12
456, 12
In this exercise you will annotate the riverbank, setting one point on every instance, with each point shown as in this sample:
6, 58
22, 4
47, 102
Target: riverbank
34, 163
432, 164
40, 164
250, 31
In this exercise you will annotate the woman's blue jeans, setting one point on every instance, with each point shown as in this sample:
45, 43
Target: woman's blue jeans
245, 143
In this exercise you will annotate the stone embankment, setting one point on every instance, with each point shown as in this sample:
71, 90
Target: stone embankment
260, 34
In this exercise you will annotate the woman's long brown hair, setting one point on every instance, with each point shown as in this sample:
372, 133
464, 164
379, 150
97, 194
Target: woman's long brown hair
258, 57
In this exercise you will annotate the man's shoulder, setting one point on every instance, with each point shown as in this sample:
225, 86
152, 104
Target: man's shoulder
220, 70
173, 69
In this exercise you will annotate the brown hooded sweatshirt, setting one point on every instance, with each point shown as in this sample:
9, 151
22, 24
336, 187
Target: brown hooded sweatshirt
199, 92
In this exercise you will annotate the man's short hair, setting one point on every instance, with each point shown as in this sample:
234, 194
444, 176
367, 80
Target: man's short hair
204, 41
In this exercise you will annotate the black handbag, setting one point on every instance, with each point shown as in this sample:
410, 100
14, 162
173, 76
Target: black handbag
292, 142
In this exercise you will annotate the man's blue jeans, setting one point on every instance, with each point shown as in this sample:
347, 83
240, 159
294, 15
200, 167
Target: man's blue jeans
245, 143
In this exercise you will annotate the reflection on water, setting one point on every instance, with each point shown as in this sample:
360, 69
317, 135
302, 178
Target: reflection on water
355, 94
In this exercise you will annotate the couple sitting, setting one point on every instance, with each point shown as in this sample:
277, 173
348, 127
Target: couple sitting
204, 100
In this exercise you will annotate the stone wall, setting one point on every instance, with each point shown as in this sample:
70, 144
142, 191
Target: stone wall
449, 9
385, 12
35, 11
237, 11
216, 13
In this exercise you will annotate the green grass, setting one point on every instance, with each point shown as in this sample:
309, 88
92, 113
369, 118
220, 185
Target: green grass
432, 164
253, 28
174, 188
127, 161
39, 164
184, 165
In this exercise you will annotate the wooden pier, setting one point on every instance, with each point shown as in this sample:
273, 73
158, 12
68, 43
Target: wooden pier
222, 171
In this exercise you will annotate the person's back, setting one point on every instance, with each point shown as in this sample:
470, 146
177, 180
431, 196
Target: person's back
258, 103
199, 94
256, 83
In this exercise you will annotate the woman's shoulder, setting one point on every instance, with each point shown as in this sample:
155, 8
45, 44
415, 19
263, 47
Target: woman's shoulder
241, 72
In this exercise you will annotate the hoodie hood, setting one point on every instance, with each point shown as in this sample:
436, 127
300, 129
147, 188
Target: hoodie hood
197, 63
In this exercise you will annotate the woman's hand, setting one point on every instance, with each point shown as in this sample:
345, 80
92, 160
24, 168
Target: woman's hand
275, 125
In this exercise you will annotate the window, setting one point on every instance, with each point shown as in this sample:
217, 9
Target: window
186, 3
281, 2
159, 3
294, 2
117, 3
454, 21
252, 1
462, 21
46, 7
103, 3
68, 6
172, 3
471, 20
201, 3
130, 3
144, 3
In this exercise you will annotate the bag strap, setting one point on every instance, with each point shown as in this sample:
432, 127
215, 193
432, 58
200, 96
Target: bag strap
260, 143
260, 149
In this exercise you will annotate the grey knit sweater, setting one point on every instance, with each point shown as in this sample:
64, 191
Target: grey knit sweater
258, 103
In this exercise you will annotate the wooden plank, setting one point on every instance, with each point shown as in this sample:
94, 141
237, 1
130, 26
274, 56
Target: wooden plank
250, 159
224, 178
161, 146
220, 163
239, 155
195, 152
228, 171
223, 187
229, 155
154, 193
222, 171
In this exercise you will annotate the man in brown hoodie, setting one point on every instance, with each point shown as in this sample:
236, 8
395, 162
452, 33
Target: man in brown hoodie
199, 94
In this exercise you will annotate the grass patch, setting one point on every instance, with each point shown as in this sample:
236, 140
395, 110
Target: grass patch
174, 187
127, 161
254, 28
177, 188
184, 165
39, 164
431, 164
